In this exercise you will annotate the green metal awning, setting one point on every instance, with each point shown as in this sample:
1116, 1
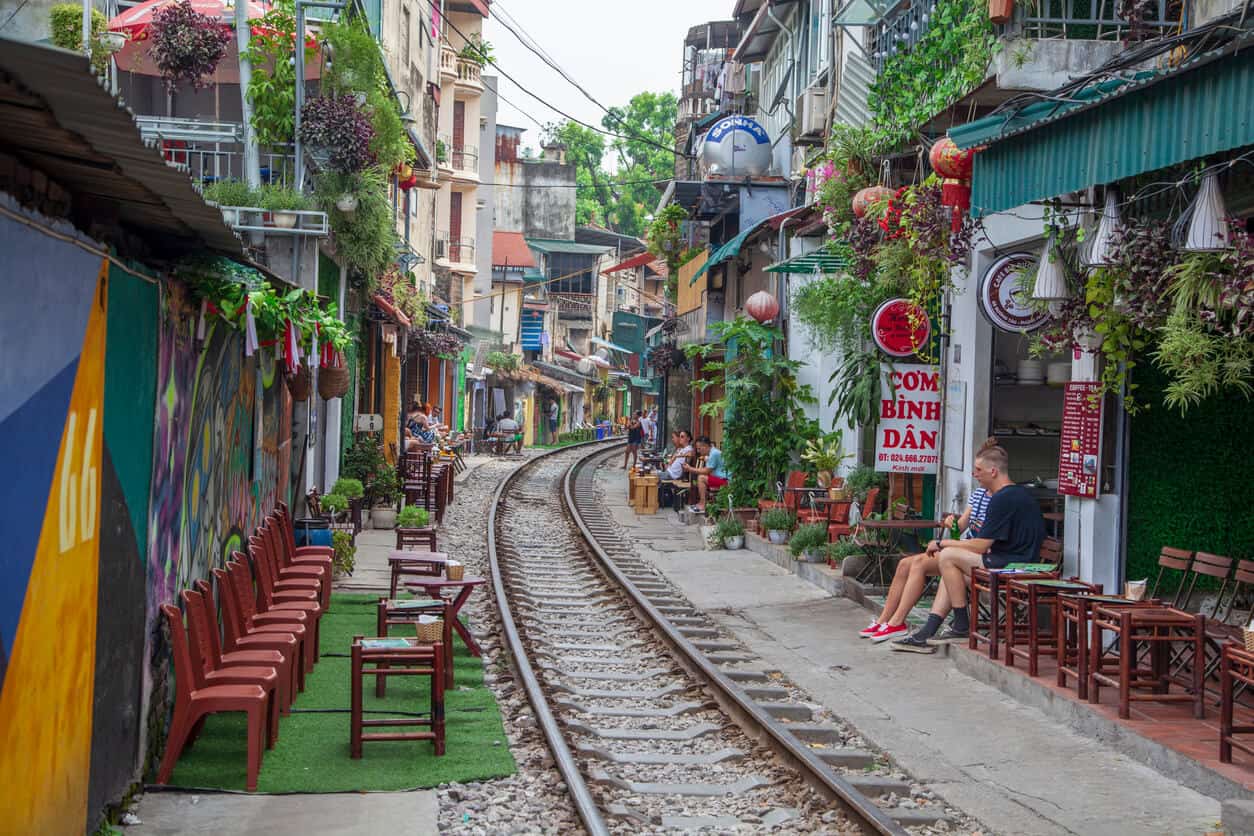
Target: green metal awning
1114, 130
726, 252
648, 385
554, 245
810, 263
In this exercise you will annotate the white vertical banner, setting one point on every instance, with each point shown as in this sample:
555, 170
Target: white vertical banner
909, 419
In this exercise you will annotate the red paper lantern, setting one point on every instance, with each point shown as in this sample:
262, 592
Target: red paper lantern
762, 306
870, 196
948, 160
408, 183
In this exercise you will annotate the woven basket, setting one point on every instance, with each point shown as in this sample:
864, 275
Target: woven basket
432, 631
298, 384
332, 382
455, 573
1249, 639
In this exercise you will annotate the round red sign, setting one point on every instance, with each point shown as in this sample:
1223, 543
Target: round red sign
900, 328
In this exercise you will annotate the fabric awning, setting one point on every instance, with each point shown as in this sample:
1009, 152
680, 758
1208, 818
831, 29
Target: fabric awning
390, 311
1113, 130
815, 262
611, 346
559, 385
638, 260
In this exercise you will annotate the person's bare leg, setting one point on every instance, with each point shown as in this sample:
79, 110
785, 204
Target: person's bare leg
894, 589
703, 488
920, 570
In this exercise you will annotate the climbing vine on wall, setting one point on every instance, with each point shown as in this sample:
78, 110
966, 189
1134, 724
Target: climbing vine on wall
950, 59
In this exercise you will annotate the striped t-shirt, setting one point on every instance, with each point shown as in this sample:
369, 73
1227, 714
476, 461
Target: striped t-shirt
979, 509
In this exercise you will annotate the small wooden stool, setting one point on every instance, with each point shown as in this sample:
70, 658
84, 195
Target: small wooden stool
1235, 665
1159, 627
993, 582
399, 657
405, 613
1073, 614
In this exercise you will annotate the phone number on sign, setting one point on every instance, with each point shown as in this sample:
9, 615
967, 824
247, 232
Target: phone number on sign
907, 458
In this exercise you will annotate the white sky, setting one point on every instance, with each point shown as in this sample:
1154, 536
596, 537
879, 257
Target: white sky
613, 49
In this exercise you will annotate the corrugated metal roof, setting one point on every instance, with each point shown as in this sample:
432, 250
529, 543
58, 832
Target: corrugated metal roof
1146, 124
855, 86
56, 118
553, 245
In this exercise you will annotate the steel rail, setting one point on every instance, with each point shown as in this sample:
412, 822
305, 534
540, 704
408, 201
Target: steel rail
727, 693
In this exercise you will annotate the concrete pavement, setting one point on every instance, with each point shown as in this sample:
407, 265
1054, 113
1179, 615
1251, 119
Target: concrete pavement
338, 814
1010, 766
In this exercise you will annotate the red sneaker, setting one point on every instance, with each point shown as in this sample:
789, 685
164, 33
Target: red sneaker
870, 630
887, 632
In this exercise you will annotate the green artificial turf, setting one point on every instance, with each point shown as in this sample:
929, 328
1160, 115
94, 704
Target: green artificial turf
311, 754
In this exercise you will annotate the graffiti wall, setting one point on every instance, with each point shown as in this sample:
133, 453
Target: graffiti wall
222, 447
51, 429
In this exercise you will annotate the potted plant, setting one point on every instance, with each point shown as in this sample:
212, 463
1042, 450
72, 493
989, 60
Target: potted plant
385, 492
476, 50
411, 516
186, 45
441, 151
825, 456
337, 127
283, 203
729, 532
230, 195
841, 549
809, 543
344, 558
778, 523
860, 481
333, 504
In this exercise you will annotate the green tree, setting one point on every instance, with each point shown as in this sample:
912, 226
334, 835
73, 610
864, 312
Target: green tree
586, 149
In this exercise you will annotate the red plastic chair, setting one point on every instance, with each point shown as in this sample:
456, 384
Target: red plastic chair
240, 634
281, 588
795, 479
318, 571
210, 664
284, 518
292, 599
284, 663
195, 700
258, 612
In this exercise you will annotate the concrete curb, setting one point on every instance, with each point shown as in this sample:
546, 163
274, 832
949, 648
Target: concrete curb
819, 574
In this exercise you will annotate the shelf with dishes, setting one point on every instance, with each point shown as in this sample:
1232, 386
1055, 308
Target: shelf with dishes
1026, 431
1034, 373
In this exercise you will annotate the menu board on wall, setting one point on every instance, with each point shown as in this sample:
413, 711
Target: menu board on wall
1080, 453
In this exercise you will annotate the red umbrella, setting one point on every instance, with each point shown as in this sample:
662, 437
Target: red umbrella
135, 23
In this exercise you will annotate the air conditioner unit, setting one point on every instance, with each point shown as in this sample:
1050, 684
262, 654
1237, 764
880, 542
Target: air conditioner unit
813, 111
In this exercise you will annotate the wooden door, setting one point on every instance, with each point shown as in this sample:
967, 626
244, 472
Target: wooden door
455, 227
459, 135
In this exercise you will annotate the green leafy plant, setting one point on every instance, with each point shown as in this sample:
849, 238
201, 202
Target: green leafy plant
808, 538
348, 488
499, 361
411, 516
364, 239
334, 503
861, 479
727, 527
665, 239
66, 24
842, 548
364, 459
825, 453
441, 151
344, 559
778, 519
385, 488
762, 401
947, 62
276, 198
477, 50
232, 193
272, 50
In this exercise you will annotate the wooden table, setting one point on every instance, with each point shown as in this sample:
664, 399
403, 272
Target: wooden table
401, 657
434, 588
1073, 612
1159, 627
992, 581
1236, 665
887, 545
403, 562
1032, 595
395, 613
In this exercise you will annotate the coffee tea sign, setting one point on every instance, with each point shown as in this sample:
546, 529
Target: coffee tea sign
907, 438
900, 328
1005, 296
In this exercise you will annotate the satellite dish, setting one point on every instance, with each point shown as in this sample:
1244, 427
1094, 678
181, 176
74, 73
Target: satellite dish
737, 146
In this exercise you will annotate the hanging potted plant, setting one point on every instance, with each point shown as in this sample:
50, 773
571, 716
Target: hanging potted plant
187, 45
778, 524
338, 127
298, 384
809, 542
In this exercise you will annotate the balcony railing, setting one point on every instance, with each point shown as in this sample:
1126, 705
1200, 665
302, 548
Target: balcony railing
454, 250
1096, 20
462, 159
448, 62
469, 73
1090, 20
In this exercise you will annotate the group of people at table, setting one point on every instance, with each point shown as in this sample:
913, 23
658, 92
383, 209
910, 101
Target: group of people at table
687, 460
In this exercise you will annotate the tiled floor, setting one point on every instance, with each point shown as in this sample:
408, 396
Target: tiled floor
1171, 724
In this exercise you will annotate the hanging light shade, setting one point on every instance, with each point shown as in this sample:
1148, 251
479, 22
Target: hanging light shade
762, 306
1051, 279
1208, 226
1102, 246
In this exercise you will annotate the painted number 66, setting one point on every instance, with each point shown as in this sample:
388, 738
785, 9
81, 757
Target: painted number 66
78, 489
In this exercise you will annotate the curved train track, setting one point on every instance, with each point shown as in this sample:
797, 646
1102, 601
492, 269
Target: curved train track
652, 717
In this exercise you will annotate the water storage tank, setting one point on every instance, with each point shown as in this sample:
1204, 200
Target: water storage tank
737, 146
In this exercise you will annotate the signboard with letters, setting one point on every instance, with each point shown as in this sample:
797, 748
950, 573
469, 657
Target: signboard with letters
910, 419
1005, 300
900, 328
369, 423
1080, 451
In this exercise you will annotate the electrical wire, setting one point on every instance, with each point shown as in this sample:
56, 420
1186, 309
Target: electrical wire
82, 245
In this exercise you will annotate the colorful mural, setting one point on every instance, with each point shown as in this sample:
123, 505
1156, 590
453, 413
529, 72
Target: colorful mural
222, 447
51, 429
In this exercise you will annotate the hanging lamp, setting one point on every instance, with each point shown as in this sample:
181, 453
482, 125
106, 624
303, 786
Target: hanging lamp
1101, 248
1208, 223
1051, 277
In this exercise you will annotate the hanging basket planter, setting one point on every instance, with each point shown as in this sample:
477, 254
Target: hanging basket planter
332, 382
1000, 11
298, 384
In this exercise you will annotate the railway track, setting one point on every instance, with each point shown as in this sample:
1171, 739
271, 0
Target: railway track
656, 721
